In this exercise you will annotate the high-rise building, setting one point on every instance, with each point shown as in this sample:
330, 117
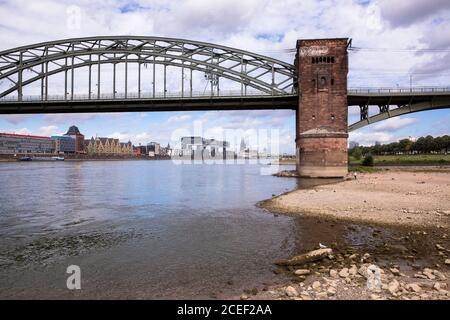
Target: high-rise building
75, 133
200, 148
243, 146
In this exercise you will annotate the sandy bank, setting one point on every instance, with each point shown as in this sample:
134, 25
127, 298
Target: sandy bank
395, 196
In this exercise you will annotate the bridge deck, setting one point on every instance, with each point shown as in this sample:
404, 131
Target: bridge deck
206, 103
58, 104
357, 98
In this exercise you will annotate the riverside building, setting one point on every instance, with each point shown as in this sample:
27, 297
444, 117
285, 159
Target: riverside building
75, 133
108, 146
11, 143
64, 144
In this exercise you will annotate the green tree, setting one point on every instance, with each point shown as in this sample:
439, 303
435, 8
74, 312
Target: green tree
368, 161
404, 145
357, 154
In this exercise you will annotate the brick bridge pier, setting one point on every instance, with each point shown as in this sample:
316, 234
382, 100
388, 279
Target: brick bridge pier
321, 118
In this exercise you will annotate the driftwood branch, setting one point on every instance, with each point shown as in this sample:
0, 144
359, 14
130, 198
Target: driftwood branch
305, 258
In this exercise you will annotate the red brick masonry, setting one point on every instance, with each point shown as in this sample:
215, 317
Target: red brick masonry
322, 114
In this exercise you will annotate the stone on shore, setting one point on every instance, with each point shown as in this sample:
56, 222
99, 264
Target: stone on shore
395, 271
316, 285
291, 291
353, 270
321, 295
302, 272
429, 273
393, 287
331, 291
305, 295
365, 257
344, 273
413, 287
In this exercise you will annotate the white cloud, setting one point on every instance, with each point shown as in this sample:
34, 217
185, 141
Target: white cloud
393, 124
15, 118
41, 131
48, 130
141, 138
262, 26
370, 138
178, 118
407, 12
22, 131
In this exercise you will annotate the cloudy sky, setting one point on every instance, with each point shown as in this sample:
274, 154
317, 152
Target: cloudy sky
402, 41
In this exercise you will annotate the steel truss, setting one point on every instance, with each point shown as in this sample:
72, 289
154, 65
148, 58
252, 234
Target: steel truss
250, 70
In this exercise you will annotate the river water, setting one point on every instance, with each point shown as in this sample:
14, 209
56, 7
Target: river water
139, 229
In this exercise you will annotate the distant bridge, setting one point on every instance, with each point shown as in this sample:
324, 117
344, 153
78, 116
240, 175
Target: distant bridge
393, 102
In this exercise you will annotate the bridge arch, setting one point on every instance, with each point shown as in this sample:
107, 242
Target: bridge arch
263, 74
397, 102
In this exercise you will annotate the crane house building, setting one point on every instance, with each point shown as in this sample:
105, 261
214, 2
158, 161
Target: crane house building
17, 143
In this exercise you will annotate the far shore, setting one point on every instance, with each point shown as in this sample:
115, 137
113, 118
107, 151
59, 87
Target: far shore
77, 158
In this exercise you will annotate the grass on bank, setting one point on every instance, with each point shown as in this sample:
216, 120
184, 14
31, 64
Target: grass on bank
407, 159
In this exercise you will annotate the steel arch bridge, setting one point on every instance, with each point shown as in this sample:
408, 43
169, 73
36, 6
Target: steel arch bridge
260, 82
250, 70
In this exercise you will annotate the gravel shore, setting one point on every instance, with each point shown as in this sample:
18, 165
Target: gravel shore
389, 235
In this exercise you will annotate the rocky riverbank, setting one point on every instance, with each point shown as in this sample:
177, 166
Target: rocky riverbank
368, 262
388, 233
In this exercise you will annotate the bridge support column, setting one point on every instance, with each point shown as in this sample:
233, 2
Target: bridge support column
322, 110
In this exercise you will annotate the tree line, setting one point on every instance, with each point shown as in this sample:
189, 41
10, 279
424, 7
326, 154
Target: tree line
422, 145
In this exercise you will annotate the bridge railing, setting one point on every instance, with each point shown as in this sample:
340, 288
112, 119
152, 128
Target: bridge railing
134, 95
203, 94
399, 90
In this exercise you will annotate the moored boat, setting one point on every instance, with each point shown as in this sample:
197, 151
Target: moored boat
26, 158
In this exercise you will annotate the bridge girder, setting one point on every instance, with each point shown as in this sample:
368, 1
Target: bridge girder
49, 58
387, 109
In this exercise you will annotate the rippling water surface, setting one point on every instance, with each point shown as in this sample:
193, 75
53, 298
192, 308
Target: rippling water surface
138, 229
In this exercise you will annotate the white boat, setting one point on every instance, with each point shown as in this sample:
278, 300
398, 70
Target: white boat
46, 159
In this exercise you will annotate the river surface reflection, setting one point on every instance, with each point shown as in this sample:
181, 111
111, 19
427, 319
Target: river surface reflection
149, 229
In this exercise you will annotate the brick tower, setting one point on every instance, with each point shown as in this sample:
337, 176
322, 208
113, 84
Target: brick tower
322, 112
